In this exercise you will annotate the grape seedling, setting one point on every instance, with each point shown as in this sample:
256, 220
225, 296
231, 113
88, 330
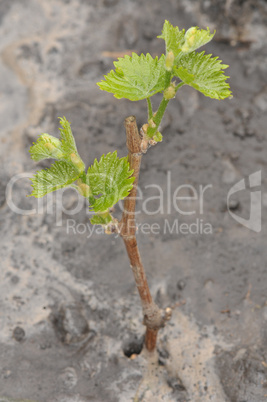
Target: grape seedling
111, 178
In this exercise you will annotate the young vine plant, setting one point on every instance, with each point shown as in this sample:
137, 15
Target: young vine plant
135, 77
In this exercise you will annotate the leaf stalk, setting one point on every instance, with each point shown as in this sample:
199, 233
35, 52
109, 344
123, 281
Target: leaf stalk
149, 107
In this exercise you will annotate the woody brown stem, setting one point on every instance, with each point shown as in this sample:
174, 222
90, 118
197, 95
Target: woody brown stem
154, 318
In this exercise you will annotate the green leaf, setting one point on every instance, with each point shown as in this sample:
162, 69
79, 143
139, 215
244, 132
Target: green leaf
65, 149
69, 145
180, 42
59, 175
136, 77
174, 39
46, 147
101, 219
204, 73
67, 139
195, 38
109, 180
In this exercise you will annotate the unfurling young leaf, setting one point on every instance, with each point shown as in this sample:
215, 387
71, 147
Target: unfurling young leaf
69, 145
204, 73
66, 136
59, 175
64, 148
180, 42
195, 38
136, 77
174, 38
46, 147
109, 180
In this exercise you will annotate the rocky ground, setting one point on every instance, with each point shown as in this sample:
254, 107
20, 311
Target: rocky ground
69, 311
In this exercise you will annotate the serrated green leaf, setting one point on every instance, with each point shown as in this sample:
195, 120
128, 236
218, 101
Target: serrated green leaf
204, 73
195, 38
174, 38
109, 180
59, 175
46, 147
136, 77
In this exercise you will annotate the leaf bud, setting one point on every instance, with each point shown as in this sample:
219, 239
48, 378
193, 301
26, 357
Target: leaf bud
50, 147
53, 150
145, 138
157, 137
189, 39
50, 139
83, 189
169, 61
112, 227
77, 162
169, 92
144, 129
152, 123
